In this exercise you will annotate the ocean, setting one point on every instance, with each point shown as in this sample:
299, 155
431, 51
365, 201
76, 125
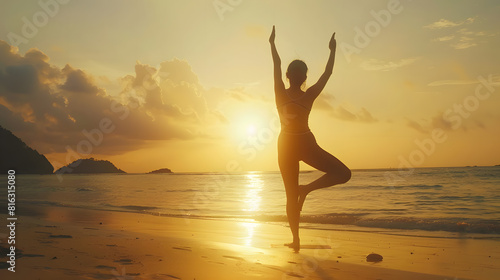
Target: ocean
436, 202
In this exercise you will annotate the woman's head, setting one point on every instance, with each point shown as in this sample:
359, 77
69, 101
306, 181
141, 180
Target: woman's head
297, 72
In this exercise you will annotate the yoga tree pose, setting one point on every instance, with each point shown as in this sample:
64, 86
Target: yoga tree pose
296, 142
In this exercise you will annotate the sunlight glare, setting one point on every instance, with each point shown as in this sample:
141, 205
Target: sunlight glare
252, 197
251, 130
250, 228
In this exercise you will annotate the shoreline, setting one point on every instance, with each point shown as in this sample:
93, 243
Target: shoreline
281, 220
62, 242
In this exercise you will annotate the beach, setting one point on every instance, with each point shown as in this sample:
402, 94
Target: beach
224, 139
76, 243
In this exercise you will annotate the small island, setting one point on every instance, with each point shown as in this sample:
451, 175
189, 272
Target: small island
89, 166
161, 171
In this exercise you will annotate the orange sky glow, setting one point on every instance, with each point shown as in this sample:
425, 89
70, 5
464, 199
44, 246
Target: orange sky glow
186, 86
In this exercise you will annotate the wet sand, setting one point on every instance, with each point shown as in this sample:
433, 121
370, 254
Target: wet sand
72, 243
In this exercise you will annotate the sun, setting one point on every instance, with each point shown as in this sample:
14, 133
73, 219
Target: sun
251, 130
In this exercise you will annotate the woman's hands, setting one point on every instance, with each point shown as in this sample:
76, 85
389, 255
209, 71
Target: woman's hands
273, 35
279, 86
332, 45
333, 42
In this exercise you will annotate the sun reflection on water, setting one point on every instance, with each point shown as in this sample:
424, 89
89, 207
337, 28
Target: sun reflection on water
252, 203
252, 194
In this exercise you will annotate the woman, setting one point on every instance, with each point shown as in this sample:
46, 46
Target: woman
296, 142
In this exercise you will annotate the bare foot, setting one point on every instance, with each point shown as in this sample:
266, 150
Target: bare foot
294, 245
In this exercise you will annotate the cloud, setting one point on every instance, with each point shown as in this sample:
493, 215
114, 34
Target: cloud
439, 121
415, 125
361, 116
425, 126
444, 23
464, 42
445, 38
379, 65
493, 80
78, 81
166, 91
324, 102
460, 39
452, 82
53, 109
240, 94
19, 79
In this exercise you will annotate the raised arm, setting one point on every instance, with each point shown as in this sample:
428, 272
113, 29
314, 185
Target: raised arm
316, 89
278, 81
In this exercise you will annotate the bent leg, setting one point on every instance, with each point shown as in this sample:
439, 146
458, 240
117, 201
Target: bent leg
336, 172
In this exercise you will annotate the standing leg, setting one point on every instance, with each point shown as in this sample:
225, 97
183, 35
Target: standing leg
289, 167
335, 171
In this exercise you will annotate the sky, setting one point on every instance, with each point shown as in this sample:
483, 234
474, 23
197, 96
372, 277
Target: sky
188, 85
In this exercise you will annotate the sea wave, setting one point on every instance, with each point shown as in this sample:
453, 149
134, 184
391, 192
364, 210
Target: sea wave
396, 187
137, 208
361, 219
84, 190
459, 225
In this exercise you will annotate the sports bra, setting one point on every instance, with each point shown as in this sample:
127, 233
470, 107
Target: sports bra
291, 101
294, 119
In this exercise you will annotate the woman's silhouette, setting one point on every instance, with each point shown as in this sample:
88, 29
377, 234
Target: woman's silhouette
296, 142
